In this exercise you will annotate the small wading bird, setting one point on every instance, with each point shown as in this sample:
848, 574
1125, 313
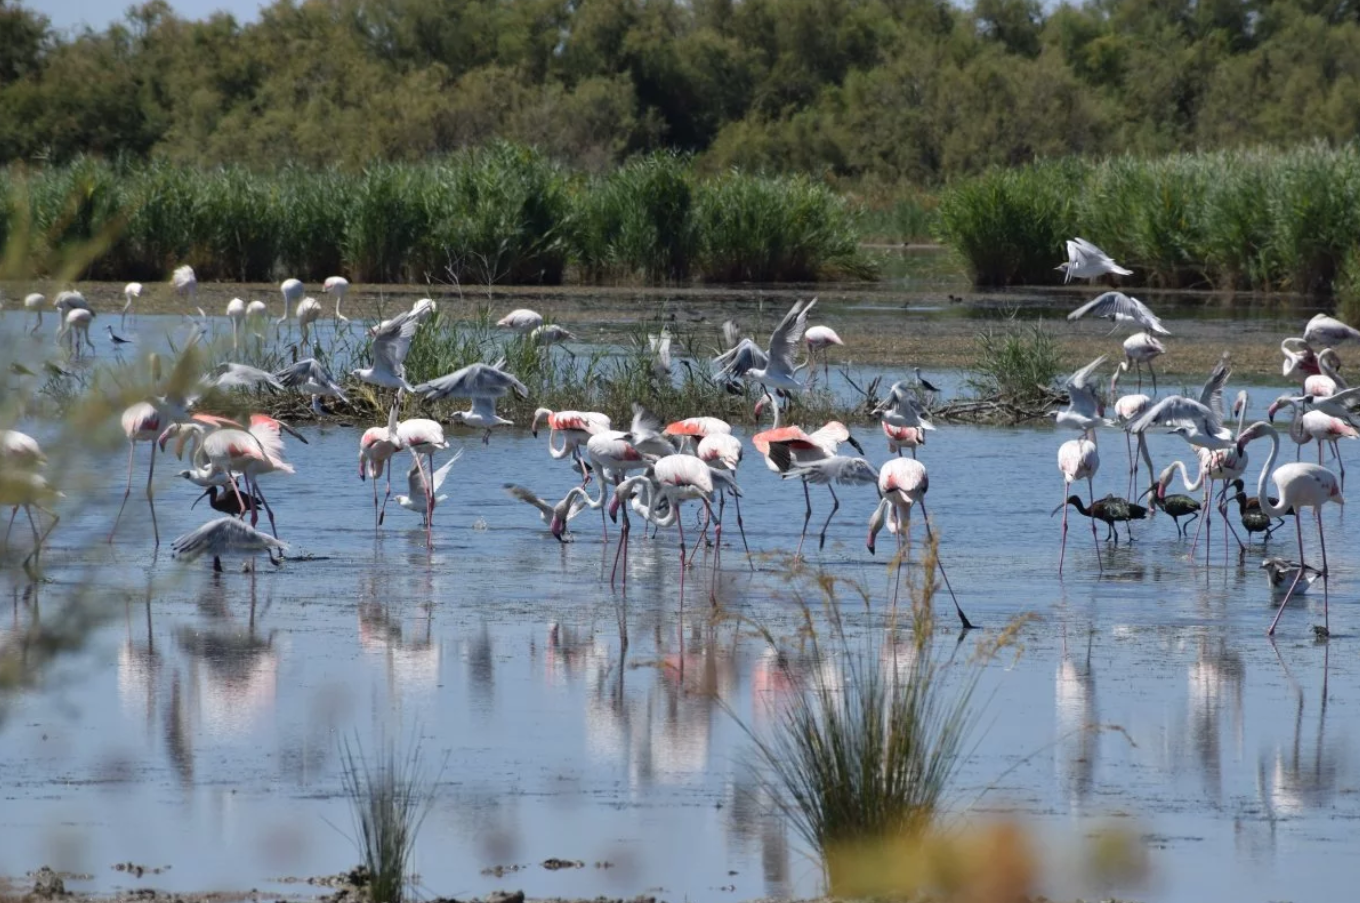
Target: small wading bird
923, 383
483, 383
1254, 520
223, 537
1086, 261
1110, 510
228, 503
117, 340
1282, 575
1177, 506
1299, 486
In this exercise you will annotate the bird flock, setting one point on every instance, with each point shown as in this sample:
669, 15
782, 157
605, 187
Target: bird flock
651, 469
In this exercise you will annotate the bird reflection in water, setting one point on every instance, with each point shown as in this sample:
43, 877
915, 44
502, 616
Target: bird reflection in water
139, 662
1299, 778
1078, 742
1215, 682
411, 660
233, 670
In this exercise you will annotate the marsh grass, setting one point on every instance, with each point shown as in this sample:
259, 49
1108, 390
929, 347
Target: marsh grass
1015, 361
864, 751
1265, 219
498, 214
389, 796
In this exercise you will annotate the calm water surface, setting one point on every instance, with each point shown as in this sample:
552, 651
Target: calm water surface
199, 726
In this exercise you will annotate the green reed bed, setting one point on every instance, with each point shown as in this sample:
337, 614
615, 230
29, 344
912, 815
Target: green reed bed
494, 215
1270, 220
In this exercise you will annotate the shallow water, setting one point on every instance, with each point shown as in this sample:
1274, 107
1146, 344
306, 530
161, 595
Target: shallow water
200, 730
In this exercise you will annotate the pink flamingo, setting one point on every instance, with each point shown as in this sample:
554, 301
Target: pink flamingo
1139, 349
1078, 460
614, 455
903, 482
376, 447
722, 451
141, 423
1127, 409
1298, 486
820, 339
900, 437
695, 429
804, 448
576, 428
680, 478
423, 437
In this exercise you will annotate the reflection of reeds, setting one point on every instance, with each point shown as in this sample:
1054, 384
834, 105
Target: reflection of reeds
389, 799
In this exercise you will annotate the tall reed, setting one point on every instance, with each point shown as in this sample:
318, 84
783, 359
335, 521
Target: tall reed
491, 215
1255, 219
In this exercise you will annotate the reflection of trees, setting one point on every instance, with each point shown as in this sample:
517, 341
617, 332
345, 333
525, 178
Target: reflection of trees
1215, 681
1078, 730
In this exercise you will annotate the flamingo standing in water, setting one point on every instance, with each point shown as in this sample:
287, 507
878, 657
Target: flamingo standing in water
141, 423
35, 302
308, 312
1078, 460
695, 429
576, 428
902, 483
423, 437
376, 447
804, 448
614, 455
337, 286
236, 312
292, 290
1128, 408
1298, 486
130, 291
22, 485
820, 339
680, 478
722, 451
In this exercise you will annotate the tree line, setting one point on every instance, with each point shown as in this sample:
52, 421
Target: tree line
868, 91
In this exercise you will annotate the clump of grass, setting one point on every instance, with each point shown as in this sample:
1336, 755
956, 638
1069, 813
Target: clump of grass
864, 752
389, 800
899, 217
1015, 362
638, 222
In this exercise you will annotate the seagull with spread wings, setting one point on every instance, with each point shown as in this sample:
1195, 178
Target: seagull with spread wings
483, 383
391, 344
309, 376
1121, 308
779, 371
1086, 261
1084, 410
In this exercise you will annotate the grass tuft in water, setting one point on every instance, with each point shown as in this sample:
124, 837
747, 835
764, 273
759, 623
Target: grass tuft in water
1015, 360
389, 799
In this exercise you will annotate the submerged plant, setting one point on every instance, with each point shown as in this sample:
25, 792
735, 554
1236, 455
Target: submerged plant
389, 799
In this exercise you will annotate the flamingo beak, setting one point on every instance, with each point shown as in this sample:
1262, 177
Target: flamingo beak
557, 527
614, 509
859, 448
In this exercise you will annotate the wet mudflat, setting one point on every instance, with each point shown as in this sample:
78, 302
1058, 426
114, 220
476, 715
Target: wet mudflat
199, 726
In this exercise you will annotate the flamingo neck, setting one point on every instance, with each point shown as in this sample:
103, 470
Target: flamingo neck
1278, 509
1185, 476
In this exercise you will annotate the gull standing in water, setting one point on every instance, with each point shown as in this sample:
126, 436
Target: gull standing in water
415, 479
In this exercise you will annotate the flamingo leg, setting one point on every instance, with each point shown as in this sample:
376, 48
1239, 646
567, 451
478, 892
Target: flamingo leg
1138, 367
736, 500
429, 502
717, 553
835, 506
382, 514
963, 618
1062, 546
1326, 593
1298, 524
376, 522
253, 488
680, 525
150, 495
703, 535
1091, 491
1133, 462
622, 549
132, 448
1154, 379
1199, 525
807, 516
14, 512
